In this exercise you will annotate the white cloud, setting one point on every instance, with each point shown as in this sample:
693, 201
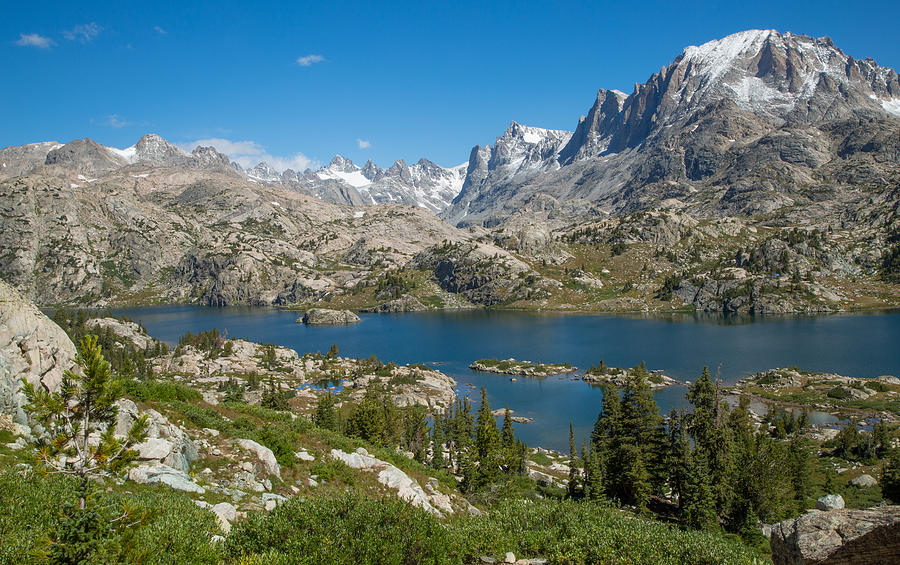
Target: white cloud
250, 153
116, 121
309, 60
160, 30
84, 33
363, 143
34, 40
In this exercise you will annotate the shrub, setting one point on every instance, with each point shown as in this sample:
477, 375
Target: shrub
351, 529
40, 523
839, 393
161, 391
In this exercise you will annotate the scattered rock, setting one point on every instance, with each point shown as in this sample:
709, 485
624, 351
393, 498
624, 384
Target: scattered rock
225, 514
403, 304
510, 557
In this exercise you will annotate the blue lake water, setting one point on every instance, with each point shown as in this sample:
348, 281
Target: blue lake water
858, 345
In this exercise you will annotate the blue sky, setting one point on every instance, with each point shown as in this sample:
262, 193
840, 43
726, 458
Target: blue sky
299, 83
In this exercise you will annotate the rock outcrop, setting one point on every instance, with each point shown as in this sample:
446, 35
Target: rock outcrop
32, 347
166, 443
130, 332
407, 488
327, 317
403, 304
838, 537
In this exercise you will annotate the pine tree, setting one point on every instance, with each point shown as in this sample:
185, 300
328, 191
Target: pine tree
367, 419
801, 462
697, 507
437, 443
487, 442
573, 464
507, 435
593, 475
85, 403
325, 416
890, 480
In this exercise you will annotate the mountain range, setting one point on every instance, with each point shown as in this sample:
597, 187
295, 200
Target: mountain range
744, 159
749, 124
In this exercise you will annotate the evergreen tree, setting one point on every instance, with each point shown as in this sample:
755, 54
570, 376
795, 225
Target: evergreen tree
882, 439
801, 462
367, 419
507, 435
487, 442
325, 416
84, 404
697, 505
437, 443
593, 475
890, 480
573, 464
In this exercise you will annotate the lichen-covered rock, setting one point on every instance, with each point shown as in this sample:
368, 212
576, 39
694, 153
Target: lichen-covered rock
838, 537
327, 317
32, 347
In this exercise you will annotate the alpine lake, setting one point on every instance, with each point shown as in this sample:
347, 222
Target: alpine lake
855, 345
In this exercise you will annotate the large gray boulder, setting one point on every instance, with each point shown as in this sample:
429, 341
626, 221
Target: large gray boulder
830, 502
163, 474
326, 317
32, 347
264, 454
835, 537
864, 481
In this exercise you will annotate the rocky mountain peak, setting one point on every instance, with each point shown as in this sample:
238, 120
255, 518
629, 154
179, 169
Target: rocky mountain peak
780, 78
262, 171
209, 157
85, 156
342, 164
370, 170
155, 150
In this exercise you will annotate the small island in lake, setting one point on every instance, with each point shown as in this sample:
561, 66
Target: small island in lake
617, 376
522, 368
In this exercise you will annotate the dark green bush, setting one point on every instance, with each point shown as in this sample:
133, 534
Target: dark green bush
160, 391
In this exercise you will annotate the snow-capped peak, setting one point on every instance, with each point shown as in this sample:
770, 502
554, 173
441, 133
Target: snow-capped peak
716, 57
